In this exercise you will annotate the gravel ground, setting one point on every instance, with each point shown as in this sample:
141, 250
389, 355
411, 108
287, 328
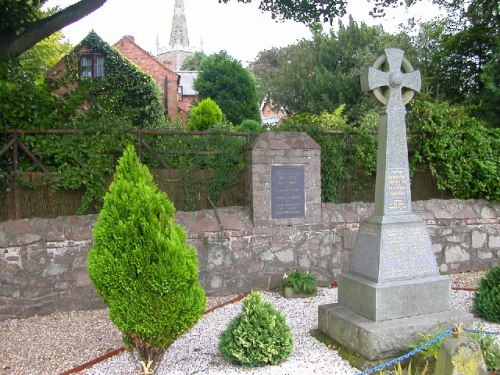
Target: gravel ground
59, 342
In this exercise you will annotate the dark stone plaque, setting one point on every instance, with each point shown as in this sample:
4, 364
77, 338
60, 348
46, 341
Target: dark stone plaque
287, 192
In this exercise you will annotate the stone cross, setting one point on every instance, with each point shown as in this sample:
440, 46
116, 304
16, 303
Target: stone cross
392, 89
392, 289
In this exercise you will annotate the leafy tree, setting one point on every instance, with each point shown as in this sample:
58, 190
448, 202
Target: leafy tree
193, 62
25, 101
460, 55
323, 73
23, 24
204, 115
141, 265
231, 86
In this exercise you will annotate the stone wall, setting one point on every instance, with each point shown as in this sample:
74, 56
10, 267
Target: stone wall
43, 261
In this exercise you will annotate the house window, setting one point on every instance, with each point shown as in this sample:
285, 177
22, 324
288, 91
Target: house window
91, 65
180, 93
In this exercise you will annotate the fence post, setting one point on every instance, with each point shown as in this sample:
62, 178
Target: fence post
15, 187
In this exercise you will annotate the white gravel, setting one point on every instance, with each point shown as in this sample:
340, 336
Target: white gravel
196, 351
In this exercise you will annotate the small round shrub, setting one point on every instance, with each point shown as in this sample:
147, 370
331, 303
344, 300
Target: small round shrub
204, 115
487, 298
251, 126
258, 336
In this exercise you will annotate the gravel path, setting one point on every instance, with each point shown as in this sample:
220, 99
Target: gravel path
59, 342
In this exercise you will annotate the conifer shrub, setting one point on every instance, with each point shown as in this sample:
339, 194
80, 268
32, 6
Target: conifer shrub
204, 115
250, 126
258, 336
141, 264
487, 298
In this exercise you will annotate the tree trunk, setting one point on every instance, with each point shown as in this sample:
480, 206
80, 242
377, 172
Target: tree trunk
12, 45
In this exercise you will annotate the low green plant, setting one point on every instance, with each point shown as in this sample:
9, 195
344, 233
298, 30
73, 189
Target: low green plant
487, 297
258, 336
398, 370
141, 264
304, 282
490, 349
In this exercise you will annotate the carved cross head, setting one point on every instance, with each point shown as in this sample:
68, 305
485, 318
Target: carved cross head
391, 80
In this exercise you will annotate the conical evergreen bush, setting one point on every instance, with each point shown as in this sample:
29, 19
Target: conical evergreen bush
258, 336
141, 264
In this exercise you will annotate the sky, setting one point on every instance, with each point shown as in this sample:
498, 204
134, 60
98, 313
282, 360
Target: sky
238, 28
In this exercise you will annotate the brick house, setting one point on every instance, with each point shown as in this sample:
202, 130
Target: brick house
177, 90
167, 80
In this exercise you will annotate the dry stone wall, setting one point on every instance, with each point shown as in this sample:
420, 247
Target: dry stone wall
43, 261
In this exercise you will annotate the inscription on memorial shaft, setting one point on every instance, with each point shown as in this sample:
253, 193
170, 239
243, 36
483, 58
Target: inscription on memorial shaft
287, 192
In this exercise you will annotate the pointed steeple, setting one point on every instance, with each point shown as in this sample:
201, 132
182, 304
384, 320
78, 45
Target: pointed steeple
179, 33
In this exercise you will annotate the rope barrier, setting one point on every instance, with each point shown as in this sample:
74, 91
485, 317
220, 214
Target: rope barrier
422, 347
479, 331
409, 354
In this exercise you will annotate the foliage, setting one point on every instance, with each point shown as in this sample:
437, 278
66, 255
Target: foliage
251, 126
204, 115
25, 103
300, 282
23, 23
137, 98
314, 11
462, 153
258, 336
348, 156
487, 297
193, 62
461, 54
323, 73
101, 109
220, 152
141, 264
490, 348
231, 86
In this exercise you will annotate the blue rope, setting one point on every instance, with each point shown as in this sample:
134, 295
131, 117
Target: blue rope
479, 331
409, 354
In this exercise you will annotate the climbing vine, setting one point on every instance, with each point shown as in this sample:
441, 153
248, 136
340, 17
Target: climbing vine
348, 154
463, 154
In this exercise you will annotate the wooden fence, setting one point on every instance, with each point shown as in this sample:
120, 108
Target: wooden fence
36, 197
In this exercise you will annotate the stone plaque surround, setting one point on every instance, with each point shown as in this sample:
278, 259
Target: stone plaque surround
393, 289
295, 159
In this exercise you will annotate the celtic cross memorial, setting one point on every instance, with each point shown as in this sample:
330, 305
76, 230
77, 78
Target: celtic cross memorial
393, 278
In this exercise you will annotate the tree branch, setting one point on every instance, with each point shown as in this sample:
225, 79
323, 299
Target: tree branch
12, 45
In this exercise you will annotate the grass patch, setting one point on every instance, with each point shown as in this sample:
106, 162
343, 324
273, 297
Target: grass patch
354, 359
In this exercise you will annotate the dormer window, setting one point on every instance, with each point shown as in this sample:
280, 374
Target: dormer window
91, 65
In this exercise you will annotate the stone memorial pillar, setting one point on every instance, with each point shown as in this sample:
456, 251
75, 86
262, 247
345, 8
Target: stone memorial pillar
393, 288
284, 180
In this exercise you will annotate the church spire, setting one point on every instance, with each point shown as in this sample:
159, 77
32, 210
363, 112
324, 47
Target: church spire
179, 32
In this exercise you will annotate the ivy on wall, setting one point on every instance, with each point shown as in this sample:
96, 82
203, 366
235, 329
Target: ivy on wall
124, 89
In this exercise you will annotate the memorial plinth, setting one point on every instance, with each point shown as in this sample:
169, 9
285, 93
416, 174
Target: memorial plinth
393, 289
284, 180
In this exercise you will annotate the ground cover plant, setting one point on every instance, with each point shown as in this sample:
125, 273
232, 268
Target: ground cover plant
301, 282
141, 264
258, 336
